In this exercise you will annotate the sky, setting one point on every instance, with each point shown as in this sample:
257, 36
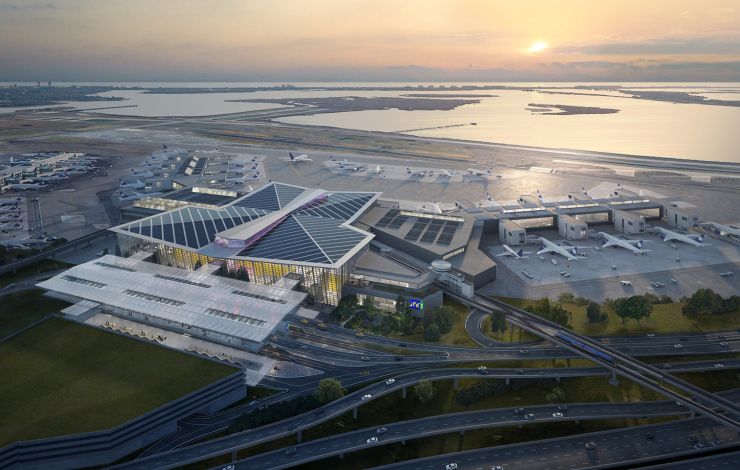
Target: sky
370, 40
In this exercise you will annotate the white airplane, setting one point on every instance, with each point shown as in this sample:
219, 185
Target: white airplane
347, 165
570, 252
635, 246
670, 235
723, 230
299, 158
477, 172
516, 254
377, 170
626, 283
26, 186
416, 172
244, 179
446, 173
144, 173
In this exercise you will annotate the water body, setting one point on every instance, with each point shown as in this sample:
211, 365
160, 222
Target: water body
641, 127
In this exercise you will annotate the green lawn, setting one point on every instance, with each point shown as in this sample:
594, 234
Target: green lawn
20, 309
665, 318
61, 377
511, 334
456, 337
36, 268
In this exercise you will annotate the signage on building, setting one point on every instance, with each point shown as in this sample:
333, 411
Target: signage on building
416, 304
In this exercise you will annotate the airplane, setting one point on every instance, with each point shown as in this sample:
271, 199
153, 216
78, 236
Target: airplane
377, 170
446, 173
477, 172
132, 184
570, 253
723, 230
635, 246
346, 165
134, 196
670, 235
416, 172
626, 283
144, 173
26, 186
50, 178
244, 179
512, 252
299, 158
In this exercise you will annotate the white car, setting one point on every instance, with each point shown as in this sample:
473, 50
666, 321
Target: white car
678, 345
390, 381
451, 466
719, 366
366, 397
557, 415
372, 440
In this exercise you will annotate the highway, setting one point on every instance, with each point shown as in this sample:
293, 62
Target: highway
699, 400
624, 448
727, 461
455, 422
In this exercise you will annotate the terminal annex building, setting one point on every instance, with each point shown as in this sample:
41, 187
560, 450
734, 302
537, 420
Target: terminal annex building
277, 230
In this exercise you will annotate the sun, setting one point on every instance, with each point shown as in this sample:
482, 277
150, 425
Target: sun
538, 46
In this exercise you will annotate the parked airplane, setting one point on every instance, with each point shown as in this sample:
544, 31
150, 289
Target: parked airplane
670, 235
516, 254
477, 172
26, 186
570, 252
136, 184
723, 230
299, 158
626, 283
635, 246
416, 172
347, 165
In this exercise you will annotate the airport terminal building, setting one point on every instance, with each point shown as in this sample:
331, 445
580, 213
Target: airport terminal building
275, 231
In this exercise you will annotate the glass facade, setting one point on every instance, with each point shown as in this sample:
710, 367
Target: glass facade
323, 285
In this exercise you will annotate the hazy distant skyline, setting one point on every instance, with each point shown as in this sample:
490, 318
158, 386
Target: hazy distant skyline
369, 40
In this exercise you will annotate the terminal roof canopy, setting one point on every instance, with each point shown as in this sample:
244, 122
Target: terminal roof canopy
277, 222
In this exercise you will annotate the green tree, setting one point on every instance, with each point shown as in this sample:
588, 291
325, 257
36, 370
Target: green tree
402, 307
428, 317
704, 301
425, 391
498, 321
594, 313
549, 311
431, 333
329, 390
445, 319
636, 307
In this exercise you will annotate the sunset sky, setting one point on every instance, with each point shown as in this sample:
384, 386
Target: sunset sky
369, 40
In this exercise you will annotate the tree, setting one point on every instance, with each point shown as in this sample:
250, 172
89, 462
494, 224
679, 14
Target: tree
705, 301
553, 312
557, 395
428, 317
594, 313
636, 307
498, 321
402, 307
425, 391
329, 390
445, 319
431, 333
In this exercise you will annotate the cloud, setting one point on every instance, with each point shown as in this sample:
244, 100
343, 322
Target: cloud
666, 46
19, 6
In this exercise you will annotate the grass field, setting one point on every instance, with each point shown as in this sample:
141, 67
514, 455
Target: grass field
20, 309
61, 377
665, 318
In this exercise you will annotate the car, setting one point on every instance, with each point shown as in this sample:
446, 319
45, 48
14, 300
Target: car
397, 358
667, 365
228, 467
359, 333
519, 371
724, 343
718, 366
372, 440
650, 436
497, 467
483, 370
304, 321
698, 445
367, 396
322, 326
381, 430
365, 358
529, 416
524, 351
444, 355
717, 442
562, 407
678, 345
518, 411
650, 335
557, 415
403, 345
590, 445
390, 381
451, 466
291, 450
319, 411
